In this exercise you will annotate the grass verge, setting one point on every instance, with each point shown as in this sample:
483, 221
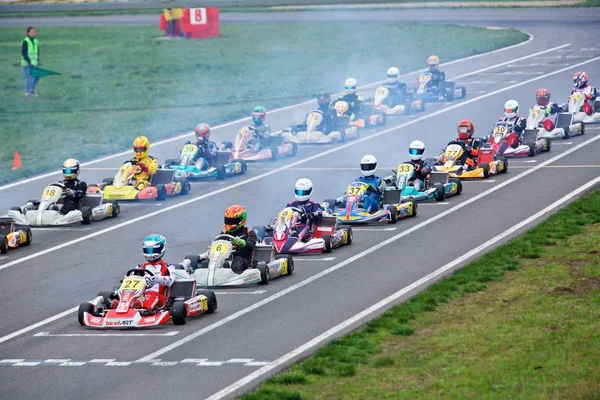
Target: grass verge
483, 332
120, 82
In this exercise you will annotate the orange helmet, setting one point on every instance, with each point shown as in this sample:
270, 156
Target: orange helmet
433, 62
141, 147
235, 218
543, 97
466, 129
202, 132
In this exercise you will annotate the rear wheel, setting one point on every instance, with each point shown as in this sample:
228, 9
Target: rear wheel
107, 296
531, 150
330, 205
458, 184
265, 274
84, 308
350, 235
393, 214
17, 209
29, 239
171, 162
327, 238
116, 209
294, 149
193, 261
415, 208
108, 181
86, 215
440, 192
220, 172
547, 144
179, 313
185, 187
4, 245
161, 192
274, 153
212, 300
290, 265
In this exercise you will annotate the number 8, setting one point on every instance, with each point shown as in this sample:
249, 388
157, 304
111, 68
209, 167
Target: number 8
198, 15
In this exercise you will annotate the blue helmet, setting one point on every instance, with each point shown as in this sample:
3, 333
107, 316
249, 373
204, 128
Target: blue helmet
154, 247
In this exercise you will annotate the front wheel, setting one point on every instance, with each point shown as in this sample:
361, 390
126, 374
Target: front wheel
265, 274
393, 214
84, 308
86, 215
327, 239
4, 245
220, 172
161, 191
212, 300
486, 170
440, 192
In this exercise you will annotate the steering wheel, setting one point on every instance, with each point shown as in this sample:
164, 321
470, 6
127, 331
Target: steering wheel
139, 272
223, 236
298, 210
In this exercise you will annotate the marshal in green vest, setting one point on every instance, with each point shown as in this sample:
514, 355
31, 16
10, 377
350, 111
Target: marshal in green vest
32, 52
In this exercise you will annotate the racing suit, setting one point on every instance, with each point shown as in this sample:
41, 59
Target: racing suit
329, 123
207, 151
313, 212
422, 171
262, 132
155, 295
148, 167
518, 126
355, 103
469, 157
397, 94
242, 256
75, 190
590, 93
373, 197
437, 77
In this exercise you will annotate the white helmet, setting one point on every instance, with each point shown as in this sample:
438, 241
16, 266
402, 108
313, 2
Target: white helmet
303, 189
350, 85
416, 150
392, 74
511, 108
368, 165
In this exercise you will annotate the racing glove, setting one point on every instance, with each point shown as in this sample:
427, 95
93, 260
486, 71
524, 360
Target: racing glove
150, 281
239, 242
70, 193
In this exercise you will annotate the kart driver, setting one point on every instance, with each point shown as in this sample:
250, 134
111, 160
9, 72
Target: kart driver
207, 150
313, 211
262, 131
542, 98
354, 100
416, 149
74, 188
368, 166
437, 76
330, 121
466, 129
511, 109
397, 89
580, 83
146, 165
154, 249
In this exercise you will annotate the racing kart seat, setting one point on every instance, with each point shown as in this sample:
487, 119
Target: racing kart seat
262, 253
221, 159
90, 200
162, 177
438, 177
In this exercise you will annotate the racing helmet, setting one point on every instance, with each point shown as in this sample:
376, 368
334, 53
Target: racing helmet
350, 85
141, 147
542, 97
70, 169
466, 129
416, 150
303, 189
511, 108
154, 247
580, 79
235, 218
202, 132
259, 114
392, 74
368, 165
323, 99
433, 62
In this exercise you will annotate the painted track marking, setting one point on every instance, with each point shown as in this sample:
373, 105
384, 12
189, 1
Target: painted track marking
112, 334
331, 269
288, 358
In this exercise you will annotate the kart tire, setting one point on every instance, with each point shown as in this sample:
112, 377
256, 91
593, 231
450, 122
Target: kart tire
463, 92
531, 150
505, 161
294, 149
486, 170
449, 94
327, 239
331, 206
350, 235
220, 172
86, 215
458, 184
116, 209
415, 207
178, 313
290, 263
84, 308
4, 245
29, 234
548, 144
265, 274
161, 192
243, 165
440, 192
185, 186
393, 214
582, 129
194, 261
212, 299
108, 181
18, 209
107, 296
274, 154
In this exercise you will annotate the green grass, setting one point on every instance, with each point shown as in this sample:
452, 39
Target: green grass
120, 82
520, 322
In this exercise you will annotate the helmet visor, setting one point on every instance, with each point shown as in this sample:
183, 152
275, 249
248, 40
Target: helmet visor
303, 192
416, 152
149, 251
368, 167
392, 76
463, 129
350, 87
510, 110
70, 171
232, 220
140, 149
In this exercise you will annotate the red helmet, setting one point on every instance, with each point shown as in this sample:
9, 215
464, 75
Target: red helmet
466, 129
543, 97
202, 131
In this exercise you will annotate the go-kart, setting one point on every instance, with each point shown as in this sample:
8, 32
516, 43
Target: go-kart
378, 118
448, 90
183, 301
221, 167
121, 187
554, 126
453, 162
247, 147
381, 103
309, 133
349, 209
287, 237
437, 186
13, 236
213, 269
584, 110
507, 143
46, 210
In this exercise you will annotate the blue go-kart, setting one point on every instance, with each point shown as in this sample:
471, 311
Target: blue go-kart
221, 167
438, 186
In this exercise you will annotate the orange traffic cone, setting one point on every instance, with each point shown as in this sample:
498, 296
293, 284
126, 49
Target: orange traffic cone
17, 161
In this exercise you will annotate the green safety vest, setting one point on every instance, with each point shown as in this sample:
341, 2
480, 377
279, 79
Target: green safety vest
32, 52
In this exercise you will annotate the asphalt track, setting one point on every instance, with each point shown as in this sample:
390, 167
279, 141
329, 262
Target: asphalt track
213, 352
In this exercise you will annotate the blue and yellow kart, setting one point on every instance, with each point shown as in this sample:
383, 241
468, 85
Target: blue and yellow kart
438, 185
222, 167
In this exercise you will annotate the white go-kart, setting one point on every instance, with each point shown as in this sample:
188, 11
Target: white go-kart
554, 126
310, 133
578, 106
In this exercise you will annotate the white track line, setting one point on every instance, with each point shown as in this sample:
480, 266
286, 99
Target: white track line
360, 255
221, 322
183, 136
313, 259
291, 356
69, 335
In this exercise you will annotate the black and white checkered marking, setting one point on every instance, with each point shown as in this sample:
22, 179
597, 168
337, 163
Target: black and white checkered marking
109, 362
